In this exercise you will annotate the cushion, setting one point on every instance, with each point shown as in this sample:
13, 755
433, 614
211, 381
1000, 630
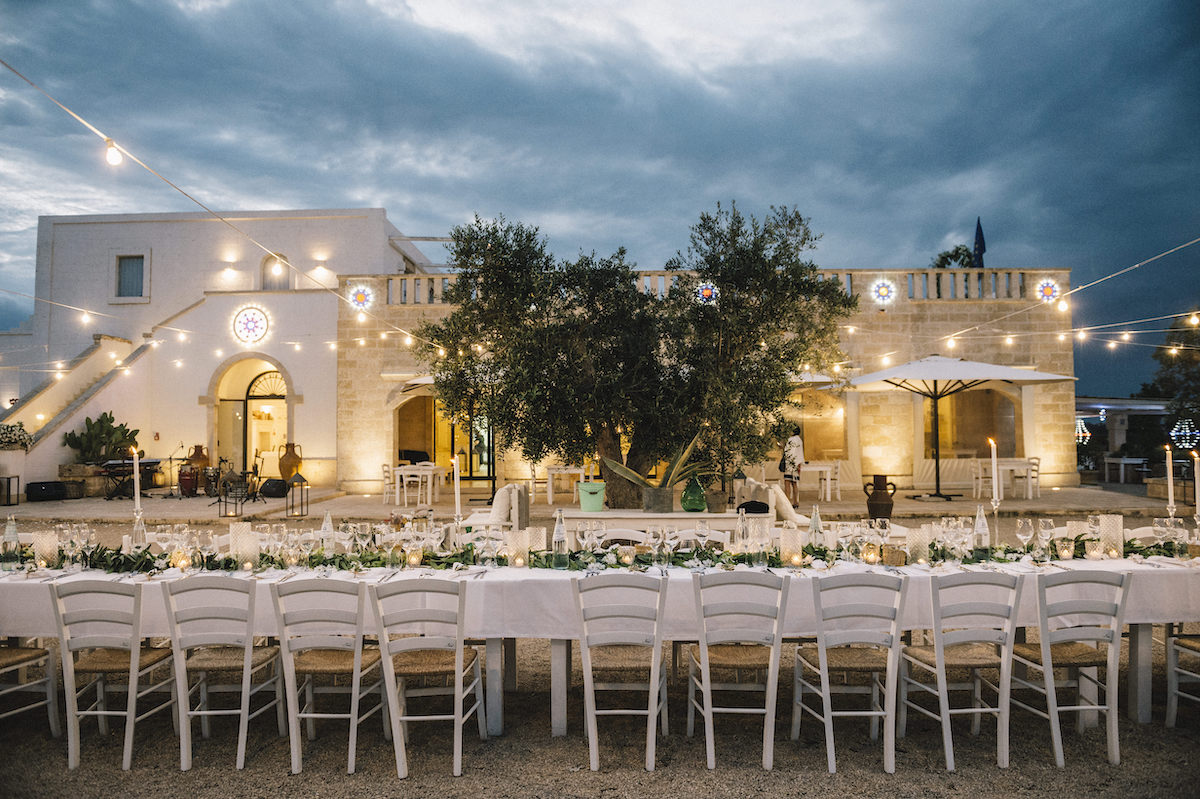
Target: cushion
502, 506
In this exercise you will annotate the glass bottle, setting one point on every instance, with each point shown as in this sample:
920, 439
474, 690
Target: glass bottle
816, 536
559, 559
10, 546
741, 533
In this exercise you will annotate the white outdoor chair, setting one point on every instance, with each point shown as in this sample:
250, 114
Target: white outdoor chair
99, 633
320, 624
212, 630
389, 484
420, 628
1032, 475
412, 476
620, 616
740, 615
1080, 616
834, 476
13, 661
623, 535
981, 478
974, 628
688, 537
858, 631
1179, 675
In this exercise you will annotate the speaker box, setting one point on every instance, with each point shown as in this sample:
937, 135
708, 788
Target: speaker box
274, 488
45, 492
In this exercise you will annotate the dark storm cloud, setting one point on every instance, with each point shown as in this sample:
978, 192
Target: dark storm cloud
1068, 128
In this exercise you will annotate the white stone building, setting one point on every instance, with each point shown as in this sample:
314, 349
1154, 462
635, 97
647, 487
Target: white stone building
195, 335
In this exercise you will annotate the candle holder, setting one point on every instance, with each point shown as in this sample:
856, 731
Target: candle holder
1112, 535
1093, 549
791, 545
626, 554
413, 557
244, 544
916, 543
45, 549
1065, 547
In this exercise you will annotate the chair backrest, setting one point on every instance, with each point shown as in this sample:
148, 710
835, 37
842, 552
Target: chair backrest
714, 537
862, 608
1085, 605
620, 608
1035, 464
210, 610
97, 613
419, 613
315, 613
975, 607
388, 475
624, 535
740, 607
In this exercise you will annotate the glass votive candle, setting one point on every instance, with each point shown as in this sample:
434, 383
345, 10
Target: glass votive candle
518, 558
791, 545
45, 549
870, 554
626, 554
1093, 550
1065, 548
413, 557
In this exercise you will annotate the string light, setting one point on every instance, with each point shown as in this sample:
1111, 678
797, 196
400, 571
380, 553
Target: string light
112, 154
1112, 345
1124, 337
362, 317
296, 346
951, 343
1194, 320
333, 345
1008, 340
1081, 335
1082, 434
1063, 306
408, 341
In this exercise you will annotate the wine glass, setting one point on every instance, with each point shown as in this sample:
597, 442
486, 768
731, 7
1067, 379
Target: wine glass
1025, 532
703, 533
306, 541
1161, 530
1045, 534
207, 546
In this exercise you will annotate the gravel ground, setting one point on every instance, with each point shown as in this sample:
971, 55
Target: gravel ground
526, 761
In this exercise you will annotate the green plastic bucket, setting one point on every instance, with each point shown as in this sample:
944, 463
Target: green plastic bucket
591, 496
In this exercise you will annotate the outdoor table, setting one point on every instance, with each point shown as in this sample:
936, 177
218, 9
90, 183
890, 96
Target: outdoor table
427, 473
507, 603
634, 519
551, 472
824, 470
1009, 468
1121, 463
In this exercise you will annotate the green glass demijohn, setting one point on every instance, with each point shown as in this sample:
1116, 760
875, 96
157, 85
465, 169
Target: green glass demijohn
692, 498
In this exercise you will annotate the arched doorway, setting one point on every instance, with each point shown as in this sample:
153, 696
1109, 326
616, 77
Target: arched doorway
252, 416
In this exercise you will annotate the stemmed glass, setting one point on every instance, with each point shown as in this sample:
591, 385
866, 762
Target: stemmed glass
306, 541
206, 545
1024, 532
1045, 534
702, 533
1161, 530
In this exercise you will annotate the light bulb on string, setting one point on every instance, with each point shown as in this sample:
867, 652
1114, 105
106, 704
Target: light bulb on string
1081, 335
408, 341
1194, 320
112, 154
1112, 345
362, 317
1173, 351
296, 346
1063, 305
85, 317
1124, 337
277, 268
1008, 340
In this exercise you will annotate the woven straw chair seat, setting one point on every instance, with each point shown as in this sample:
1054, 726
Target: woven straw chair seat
18, 655
848, 658
429, 662
620, 658
1192, 644
332, 661
734, 656
959, 656
229, 658
1068, 653
107, 660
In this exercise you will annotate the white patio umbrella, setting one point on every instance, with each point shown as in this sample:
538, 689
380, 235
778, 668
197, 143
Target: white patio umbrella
937, 376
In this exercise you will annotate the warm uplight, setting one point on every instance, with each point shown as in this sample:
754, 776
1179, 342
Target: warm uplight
41, 417
118, 362
333, 345
178, 364
362, 342
112, 154
58, 365
886, 360
850, 329
1194, 320
58, 375
155, 343
112, 356
383, 335
1062, 336
837, 368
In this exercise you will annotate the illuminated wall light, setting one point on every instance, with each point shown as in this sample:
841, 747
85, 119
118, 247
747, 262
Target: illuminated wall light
296, 346
333, 345
127, 371
362, 342
951, 343
1062, 336
837, 368
886, 360
112, 356
178, 364
1112, 345
41, 417
155, 343
277, 267
58, 375
181, 336
119, 362
112, 154
408, 341
383, 336
218, 353
1173, 351
850, 329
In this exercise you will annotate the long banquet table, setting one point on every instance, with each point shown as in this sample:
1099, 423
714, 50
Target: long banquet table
507, 603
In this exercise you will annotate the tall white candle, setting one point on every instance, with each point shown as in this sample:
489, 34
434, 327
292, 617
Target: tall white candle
1170, 479
995, 471
137, 481
1195, 473
457, 495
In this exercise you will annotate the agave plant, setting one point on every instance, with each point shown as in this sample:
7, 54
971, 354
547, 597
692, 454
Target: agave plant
677, 471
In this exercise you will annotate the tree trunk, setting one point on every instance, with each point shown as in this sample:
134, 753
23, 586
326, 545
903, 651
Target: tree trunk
618, 492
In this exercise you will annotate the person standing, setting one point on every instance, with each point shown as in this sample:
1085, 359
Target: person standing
793, 456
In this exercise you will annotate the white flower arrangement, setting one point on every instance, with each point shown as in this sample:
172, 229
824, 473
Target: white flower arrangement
14, 436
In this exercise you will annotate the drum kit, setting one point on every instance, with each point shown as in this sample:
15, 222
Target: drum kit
195, 479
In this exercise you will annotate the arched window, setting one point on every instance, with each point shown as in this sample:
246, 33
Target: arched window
276, 276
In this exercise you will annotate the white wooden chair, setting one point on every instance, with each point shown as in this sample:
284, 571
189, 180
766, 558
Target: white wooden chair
320, 624
1032, 476
420, 628
741, 616
1179, 676
624, 535
13, 661
981, 478
212, 630
389, 484
974, 628
858, 630
620, 615
412, 476
99, 633
1080, 616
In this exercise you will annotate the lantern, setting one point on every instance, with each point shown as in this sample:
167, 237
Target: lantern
297, 496
234, 491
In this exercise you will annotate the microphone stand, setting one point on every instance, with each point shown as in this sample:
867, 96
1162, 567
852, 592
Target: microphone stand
171, 470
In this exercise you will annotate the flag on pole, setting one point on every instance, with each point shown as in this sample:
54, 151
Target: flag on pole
980, 246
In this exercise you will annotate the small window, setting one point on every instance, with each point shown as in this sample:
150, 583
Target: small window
275, 273
130, 270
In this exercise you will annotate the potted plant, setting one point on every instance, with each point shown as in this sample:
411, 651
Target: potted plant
659, 497
101, 440
15, 441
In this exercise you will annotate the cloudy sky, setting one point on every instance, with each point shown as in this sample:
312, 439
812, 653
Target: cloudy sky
1071, 128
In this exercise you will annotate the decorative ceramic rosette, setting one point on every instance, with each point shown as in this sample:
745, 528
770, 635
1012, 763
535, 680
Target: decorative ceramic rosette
251, 324
883, 292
